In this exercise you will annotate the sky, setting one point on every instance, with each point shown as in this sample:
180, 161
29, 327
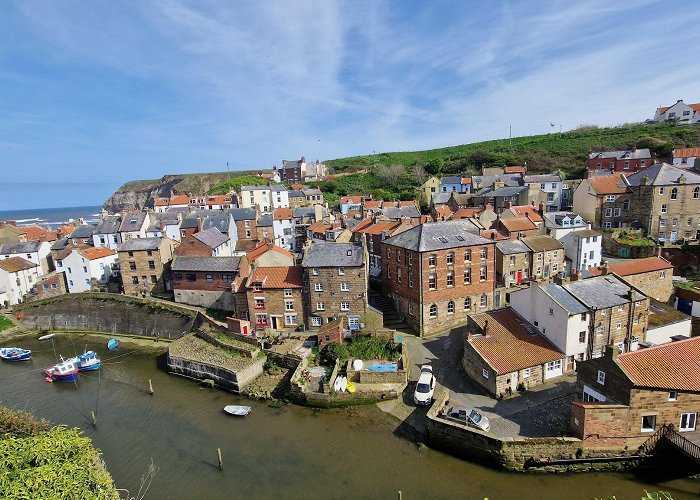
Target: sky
94, 94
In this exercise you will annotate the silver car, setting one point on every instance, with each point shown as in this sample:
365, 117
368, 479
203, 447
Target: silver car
425, 387
468, 416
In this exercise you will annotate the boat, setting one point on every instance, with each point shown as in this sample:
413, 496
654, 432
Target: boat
65, 371
343, 384
15, 354
46, 337
112, 344
350, 387
336, 384
238, 411
86, 362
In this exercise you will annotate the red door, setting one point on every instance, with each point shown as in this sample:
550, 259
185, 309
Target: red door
518, 277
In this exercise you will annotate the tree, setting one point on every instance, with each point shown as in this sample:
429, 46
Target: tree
419, 173
391, 174
435, 166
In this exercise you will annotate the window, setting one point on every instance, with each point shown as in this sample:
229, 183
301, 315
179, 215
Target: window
617, 212
210, 278
410, 280
673, 396
258, 286
662, 222
450, 307
290, 319
551, 311
610, 197
450, 278
314, 271
59, 263
664, 208
410, 259
178, 276
259, 303
450, 257
601, 377
341, 271
662, 274
696, 192
690, 221
607, 225
467, 304
618, 326
485, 373
261, 319
398, 275
433, 311
410, 308
608, 212
398, 255
688, 422
134, 280
316, 321
154, 279
626, 166
484, 301
467, 255
674, 222
582, 337
482, 273
320, 306
432, 282
648, 423
512, 260
432, 260
555, 267
626, 204
467, 276
526, 373
287, 292
191, 277
482, 253
318, 287
661, 190
674, 193
132, 266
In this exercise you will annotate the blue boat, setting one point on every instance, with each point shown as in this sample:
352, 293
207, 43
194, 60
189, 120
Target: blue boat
112, 344
65, 371
86, 362
15, 354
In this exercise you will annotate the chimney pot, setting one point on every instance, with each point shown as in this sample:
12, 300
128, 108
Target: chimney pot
486, 327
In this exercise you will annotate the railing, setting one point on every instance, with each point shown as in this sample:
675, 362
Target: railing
668, 432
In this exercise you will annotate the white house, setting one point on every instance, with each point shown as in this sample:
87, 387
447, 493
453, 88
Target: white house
84, 264
551, 185
106, 232
165, 224
686, 157
582, 249
36, 252
557, 314
559, 224
283, 228
17, 277
680, 112
266, 198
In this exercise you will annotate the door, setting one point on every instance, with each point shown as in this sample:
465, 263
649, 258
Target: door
273, 319
519, 277
553, 369
546, 270
674, 235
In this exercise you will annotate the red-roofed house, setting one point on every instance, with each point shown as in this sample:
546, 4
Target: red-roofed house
17, 277
686, 157
680, 112
503, 352
623, 399
596, 200
653, 276
269, 255
85, 264
275, 297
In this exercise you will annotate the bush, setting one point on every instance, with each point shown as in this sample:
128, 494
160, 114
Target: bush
5, 323
335, 351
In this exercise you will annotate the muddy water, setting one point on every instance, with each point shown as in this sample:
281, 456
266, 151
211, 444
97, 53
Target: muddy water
286, 452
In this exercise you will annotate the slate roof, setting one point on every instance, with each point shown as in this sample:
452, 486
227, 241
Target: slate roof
674, 366
508, 345
600, 292
218, 221
265, 220
295, 193
562, 297
15, 264
255, 188
277, 277
276, 188
397, 213
308, 212
333, 255
60, 244
127, 225
510, 247
242, 213
542, 243
20, 247
312, 192
634, 266
189, 223
487, 181
438, 236
220, 264
451, 179
83, 231
628, 154
211, 237
663, 174
108, 225
585, 233
440, 198
542, 178
138, 244
501, 192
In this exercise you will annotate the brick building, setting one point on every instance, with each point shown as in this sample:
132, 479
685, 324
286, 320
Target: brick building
437, 273
598, 200
546, 258
512, 262
624, 398
503, 352
333, 332
212, 282
335, 283
628, 161
51, 284
652, 276
275, 299
144, 264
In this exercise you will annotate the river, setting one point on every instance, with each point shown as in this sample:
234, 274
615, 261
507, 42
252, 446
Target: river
287, 452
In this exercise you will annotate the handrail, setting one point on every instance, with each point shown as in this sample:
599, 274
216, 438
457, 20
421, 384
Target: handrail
676, 439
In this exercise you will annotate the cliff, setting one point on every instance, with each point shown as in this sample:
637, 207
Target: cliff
136, 195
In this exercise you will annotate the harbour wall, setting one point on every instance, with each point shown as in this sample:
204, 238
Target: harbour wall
234, 381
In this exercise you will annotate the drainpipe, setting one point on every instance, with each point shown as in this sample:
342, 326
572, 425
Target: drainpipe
420, 294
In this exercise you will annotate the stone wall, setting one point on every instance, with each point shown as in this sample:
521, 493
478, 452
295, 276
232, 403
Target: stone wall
613, 247
246, 352
600, 425
233, 381
108, 313
368, 377
221, 299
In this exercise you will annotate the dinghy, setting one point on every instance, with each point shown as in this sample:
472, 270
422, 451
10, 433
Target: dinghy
46, 337
15, 354
238, 411
112, 344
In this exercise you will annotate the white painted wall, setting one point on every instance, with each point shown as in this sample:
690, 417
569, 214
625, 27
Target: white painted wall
663, 334
80, 270
281, 239
583, 253
17, 285
111, 241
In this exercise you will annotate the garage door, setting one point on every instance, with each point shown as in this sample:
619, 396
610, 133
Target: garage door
553, 369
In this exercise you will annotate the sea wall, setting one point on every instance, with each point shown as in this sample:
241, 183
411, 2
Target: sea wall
234, 381
107, 313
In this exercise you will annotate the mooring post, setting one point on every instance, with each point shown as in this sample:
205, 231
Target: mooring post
400, 495
150, 386
221, 462
94, 419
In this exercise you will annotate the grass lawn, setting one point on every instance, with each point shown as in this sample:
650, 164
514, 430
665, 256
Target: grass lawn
5, 323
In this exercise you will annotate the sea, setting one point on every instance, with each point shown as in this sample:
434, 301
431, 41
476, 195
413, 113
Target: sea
52, 217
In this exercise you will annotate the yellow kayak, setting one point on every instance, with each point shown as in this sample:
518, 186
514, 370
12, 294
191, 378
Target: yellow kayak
350, 386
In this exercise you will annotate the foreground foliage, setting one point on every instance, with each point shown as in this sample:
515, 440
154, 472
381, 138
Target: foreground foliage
5, 323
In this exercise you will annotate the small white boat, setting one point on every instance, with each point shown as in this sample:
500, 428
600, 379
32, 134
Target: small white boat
47, 337
238, 411
343, 384
336, 384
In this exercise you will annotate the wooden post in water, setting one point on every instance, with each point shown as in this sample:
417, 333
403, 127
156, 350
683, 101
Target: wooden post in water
221, 462
94, 419
400, 495
150, 386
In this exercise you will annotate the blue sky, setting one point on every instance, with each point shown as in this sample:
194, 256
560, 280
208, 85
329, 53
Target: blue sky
93, 94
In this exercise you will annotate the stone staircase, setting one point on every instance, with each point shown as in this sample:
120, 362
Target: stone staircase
392, 319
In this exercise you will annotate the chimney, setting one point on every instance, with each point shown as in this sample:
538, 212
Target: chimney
611, 352
508, 204
318, 212
658, 251
631, 294
645, 180
574, 275
486, 328
605, 268
541, 208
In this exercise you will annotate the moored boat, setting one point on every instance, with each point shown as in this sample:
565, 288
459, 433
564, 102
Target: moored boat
65, 371
15, 354
112, 344
86, 362
47, 336
238, 411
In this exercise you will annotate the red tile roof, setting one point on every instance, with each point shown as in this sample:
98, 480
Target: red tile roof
297, 187
15, 264
320, 227
362, 225
518, 224
515, 169
371, 204
277, 277
219, 199
674, 366
265, 247
526, 211
162, 202
93, 253
351, 199
466, 213
686, 153
634, 266
180, 199
283, 214
381, 226
695, 107
508, 346
492, 234
266, 176
607, 184
408, 203
443, 211
38, 233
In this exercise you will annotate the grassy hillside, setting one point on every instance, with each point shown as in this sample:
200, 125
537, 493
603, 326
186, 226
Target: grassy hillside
236, 183
543, 153
189, 183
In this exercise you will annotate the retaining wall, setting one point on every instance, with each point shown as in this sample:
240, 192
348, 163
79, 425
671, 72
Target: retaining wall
233, 381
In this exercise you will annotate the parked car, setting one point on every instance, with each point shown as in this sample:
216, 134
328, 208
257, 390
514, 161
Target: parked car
425, 386
468, 416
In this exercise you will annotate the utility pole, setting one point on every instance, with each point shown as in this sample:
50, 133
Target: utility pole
510, 136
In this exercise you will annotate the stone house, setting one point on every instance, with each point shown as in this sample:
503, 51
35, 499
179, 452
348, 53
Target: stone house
599, 200
628, 161
436, 274
211, 282
144, 265
547, 256
297, 198
550, 187
275, 300
242, 230
502, 353
335, 283
512, 263
264, 228
653, 276
501, 197
375, 233
51, 285
333, 332
622, 399
133, 225
458, 200
515, 227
